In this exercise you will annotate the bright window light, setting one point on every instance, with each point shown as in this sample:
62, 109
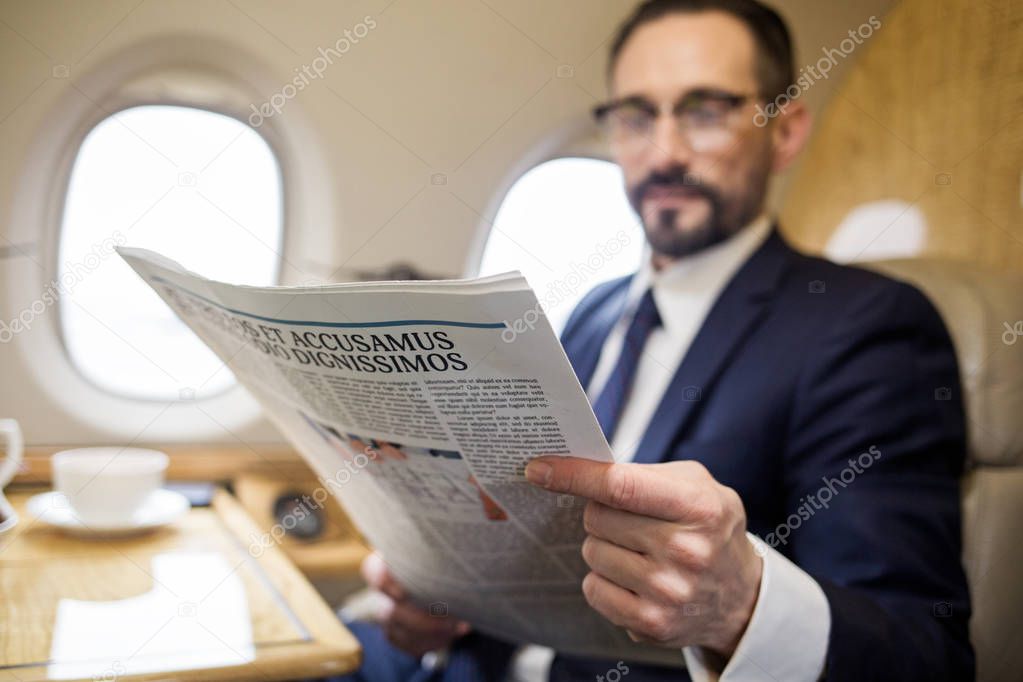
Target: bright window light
202, 188
567, 225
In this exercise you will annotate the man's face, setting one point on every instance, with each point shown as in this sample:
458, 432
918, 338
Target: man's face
689, 199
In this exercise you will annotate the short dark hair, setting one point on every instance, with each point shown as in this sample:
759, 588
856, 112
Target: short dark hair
775, 70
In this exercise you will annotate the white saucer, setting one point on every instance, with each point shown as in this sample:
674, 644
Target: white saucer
159, 509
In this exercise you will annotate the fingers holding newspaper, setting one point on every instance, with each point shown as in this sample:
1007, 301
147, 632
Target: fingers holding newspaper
408, 626
667, 549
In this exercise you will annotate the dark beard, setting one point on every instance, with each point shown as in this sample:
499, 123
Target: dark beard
666, 240
662, 232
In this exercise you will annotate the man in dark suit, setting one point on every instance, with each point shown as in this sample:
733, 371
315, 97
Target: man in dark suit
788, 432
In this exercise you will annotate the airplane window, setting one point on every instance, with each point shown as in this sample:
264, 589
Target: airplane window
567, 225
200, 187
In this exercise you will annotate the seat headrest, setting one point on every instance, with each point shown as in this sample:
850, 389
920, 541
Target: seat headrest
983, 311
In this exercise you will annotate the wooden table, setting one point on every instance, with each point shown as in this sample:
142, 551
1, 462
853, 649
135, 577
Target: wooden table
203, 599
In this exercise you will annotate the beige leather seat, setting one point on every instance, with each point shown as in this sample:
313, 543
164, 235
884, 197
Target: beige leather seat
984, 313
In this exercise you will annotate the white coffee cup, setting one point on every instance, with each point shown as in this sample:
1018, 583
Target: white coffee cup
15, 447
106, 486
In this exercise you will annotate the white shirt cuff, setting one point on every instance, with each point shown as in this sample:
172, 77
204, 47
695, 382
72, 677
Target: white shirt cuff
787, 636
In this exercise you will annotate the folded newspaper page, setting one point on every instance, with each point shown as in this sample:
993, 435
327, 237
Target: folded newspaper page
418, 404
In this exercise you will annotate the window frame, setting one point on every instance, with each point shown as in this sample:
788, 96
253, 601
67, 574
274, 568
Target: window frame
583, 141
225, 78
279, 259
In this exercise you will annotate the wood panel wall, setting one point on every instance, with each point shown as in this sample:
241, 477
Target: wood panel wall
929, 115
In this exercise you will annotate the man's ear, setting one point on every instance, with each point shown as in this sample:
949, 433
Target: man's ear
789, 134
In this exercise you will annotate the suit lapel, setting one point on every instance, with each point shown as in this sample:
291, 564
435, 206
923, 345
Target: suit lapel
739, 309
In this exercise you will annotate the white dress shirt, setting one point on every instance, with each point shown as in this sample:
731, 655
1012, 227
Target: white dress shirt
787, 636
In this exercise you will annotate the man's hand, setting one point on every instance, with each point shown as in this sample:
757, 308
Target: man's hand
409, 627
667, 549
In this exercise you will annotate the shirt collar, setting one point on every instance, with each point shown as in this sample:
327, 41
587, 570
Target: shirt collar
696, 278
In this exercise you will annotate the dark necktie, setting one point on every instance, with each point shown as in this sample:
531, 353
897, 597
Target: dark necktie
615, 393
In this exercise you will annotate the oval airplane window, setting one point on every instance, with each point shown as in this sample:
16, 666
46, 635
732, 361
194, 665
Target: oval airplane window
199, 187
567, 226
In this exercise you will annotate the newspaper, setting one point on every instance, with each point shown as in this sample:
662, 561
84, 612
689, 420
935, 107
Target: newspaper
418, 404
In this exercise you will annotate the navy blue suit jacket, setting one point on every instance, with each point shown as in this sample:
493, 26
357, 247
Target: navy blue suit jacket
800, 366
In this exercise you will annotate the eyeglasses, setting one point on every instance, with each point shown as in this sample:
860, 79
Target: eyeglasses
706, 119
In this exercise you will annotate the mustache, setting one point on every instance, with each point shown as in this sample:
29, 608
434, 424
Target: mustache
676, 178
